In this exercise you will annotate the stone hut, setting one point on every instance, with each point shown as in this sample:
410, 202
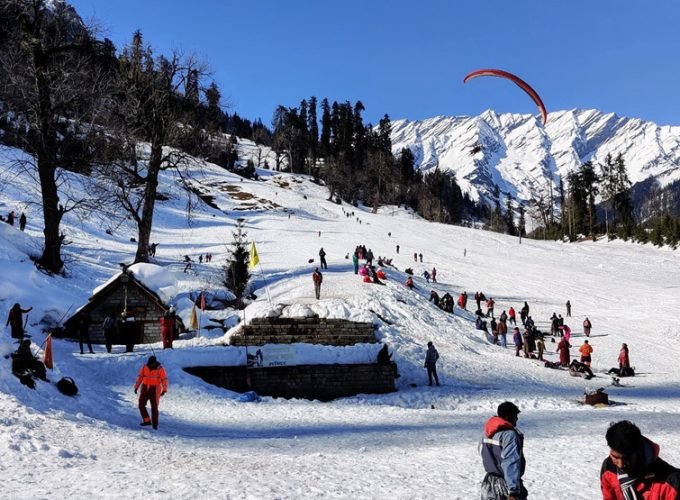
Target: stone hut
137, 308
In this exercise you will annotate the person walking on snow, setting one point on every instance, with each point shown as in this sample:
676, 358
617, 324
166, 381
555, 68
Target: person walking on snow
512, 316
397, 249
431, 363
587, 325
322, 259
415, 256
84, 333
16, 322
568, 308
434, 275
154, 384
421, 257
317, 278
502, 451
22, 221
355, 262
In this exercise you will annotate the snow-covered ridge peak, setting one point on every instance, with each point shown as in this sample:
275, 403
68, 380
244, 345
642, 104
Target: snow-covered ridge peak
508, 149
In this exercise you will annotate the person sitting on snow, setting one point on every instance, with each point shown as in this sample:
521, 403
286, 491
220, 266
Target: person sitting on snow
409, 283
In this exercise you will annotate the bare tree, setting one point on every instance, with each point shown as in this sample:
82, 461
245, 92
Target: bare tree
151, 114
51, 82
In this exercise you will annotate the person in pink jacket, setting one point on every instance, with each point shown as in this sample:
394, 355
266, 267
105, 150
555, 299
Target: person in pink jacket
624, 359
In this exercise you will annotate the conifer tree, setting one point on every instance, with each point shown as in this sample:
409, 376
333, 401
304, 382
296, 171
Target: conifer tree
236, 273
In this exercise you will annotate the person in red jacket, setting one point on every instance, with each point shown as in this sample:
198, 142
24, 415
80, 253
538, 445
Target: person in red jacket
317, 278
624, 359
168, 328
154, 384
563, 349
633, 469
512, 316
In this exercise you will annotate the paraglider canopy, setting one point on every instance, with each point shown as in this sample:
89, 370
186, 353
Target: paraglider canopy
517, 80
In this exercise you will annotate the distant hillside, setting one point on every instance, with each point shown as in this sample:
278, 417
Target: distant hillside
520, 156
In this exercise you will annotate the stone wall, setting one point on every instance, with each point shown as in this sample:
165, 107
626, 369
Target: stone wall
322, 382
145, 312
314, 330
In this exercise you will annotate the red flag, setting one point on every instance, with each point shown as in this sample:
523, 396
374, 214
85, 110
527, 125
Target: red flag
202, 301
48, 352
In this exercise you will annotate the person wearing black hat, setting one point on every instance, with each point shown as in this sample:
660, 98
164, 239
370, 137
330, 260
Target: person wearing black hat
503, 456
154, 384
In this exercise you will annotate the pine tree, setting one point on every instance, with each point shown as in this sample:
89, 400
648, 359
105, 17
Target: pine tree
509, 217
236, 274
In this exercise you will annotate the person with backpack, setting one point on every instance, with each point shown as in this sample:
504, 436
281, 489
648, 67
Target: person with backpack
587, 326
109, 327
16, 321
502, 451
322, 259
317, 278
633, 469
154, 383
431, 359
426, 275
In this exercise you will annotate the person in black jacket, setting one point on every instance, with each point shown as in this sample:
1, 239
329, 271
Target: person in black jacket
84, 333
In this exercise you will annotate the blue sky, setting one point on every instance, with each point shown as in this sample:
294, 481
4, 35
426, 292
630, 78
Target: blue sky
408, 58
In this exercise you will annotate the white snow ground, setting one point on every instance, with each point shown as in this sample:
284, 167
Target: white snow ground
419, 442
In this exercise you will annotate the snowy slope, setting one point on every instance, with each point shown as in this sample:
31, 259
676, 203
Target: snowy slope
521, 156
419, 442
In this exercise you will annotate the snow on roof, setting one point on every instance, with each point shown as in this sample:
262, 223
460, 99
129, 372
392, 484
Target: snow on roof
158, 279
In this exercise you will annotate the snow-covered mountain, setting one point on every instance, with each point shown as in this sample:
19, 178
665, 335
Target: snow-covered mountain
523, 157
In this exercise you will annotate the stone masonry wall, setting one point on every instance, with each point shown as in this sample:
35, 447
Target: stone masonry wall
315, 330
322, 382
145, 312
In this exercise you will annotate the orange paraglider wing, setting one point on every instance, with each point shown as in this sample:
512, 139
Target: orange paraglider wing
517, 80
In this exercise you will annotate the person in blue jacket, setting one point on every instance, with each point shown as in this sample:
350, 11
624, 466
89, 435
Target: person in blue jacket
503, 456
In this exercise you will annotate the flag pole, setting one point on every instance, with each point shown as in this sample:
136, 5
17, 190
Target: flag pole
266, 285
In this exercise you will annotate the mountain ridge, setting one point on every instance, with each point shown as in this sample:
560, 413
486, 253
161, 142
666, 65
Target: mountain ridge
524, 158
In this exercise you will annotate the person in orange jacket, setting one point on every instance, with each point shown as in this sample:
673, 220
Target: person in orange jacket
586, 350
154, 384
